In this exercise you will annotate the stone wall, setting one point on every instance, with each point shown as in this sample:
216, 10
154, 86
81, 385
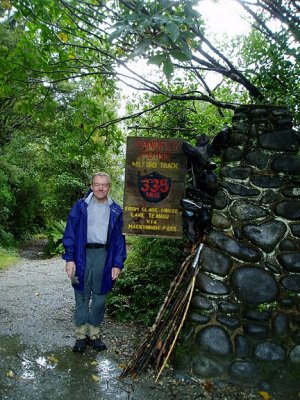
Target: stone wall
244, 319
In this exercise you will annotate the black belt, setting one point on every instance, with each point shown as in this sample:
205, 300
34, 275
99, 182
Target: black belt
94, 245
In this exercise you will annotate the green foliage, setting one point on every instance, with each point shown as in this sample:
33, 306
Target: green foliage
7, 205
66, 41
27, 215
267, 306
58, 68
7, 199
7, 239
291, 294
55, 235
150, 268
7, 258
162, 29
49, 140
180, 119
275, 68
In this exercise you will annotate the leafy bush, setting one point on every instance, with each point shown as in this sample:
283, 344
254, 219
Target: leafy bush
27, 217
55, 235
6, 239
7, 203
150, 268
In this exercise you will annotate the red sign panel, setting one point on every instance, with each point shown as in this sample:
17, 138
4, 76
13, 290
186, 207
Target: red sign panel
154, 185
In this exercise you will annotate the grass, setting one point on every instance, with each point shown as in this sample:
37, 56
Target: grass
7, 258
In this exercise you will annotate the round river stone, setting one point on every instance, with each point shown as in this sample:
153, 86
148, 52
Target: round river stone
233, 247
215, 340
291, 282
281, 140
240, 190
215, 262
289, 209
286, 163
290, 261
295, 355
267, 235
246, 211
205, 283
295, 228
269, 352
258, 159
245, 371
236, 172
254, 285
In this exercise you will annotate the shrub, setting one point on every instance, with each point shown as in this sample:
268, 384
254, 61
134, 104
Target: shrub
150, 268
55, 235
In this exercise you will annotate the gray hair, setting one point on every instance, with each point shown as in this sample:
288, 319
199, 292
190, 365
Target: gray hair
102, 174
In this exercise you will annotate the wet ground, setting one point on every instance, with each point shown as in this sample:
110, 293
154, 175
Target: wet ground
36, 337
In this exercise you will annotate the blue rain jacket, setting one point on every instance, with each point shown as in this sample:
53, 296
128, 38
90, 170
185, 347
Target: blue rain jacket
75, 239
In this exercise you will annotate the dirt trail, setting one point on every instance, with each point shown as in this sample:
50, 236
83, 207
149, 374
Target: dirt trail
36, 333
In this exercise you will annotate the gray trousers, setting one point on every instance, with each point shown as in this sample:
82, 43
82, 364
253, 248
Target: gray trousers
90, 305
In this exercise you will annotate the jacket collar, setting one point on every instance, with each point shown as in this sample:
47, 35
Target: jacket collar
88, 199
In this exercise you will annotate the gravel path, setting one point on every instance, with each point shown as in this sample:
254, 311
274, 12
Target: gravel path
36, 332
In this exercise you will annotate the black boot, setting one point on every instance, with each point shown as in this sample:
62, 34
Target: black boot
97, 344
80, 346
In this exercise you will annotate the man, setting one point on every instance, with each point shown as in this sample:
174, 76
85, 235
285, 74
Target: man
95, 252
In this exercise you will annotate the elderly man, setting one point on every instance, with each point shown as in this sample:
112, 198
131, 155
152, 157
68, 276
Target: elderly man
95, 252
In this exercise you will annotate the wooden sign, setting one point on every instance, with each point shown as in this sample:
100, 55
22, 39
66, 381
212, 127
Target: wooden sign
154, 185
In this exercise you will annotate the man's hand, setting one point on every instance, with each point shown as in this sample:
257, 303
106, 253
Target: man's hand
70, 269
115, 272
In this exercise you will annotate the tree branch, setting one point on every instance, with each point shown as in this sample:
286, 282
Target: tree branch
117, 120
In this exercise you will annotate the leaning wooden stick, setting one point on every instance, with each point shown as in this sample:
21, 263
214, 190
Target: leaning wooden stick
174, 286
153, 340
169, 320
142, 357
174, 316
176, 320
190, 292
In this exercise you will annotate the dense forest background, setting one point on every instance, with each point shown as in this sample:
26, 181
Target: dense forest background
64, 116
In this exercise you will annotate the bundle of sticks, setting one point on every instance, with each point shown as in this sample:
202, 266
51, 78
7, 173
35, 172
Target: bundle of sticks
156, 349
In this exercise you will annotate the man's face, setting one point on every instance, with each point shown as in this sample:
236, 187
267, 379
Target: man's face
100, 187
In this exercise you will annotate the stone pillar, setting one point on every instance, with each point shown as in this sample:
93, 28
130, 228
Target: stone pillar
244, 320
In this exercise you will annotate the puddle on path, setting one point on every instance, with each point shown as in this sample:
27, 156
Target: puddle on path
28, 374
